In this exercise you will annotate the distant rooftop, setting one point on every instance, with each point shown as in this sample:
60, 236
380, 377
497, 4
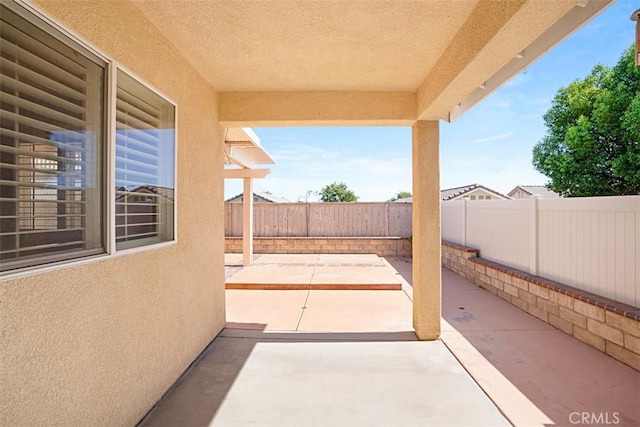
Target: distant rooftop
404, 200
536, 190
260, 195
451, 193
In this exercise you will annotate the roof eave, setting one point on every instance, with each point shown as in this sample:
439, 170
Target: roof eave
584, 11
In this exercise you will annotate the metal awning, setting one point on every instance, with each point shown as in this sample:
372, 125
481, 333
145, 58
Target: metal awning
242, 148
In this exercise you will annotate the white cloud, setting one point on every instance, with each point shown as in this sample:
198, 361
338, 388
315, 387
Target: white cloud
493, 138
300, 153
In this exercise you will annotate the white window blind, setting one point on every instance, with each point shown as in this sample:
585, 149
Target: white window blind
145, 155
51, 146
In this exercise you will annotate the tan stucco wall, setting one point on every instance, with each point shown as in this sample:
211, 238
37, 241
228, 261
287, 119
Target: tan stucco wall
98, 344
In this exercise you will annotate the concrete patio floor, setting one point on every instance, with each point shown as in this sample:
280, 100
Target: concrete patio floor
312, 271
350, 358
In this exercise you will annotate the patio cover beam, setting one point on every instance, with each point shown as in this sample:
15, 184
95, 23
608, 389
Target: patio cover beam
246, 173
316, 108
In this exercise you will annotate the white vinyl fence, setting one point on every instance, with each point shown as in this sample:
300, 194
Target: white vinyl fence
322, 219
591, 243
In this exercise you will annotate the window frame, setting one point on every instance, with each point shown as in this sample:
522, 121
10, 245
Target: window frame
113, 86
33, 13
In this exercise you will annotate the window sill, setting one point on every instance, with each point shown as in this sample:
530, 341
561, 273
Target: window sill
47, 268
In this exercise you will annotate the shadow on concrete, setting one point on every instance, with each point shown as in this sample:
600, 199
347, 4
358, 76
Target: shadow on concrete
195, 397
250, 377
535, 373
198, 394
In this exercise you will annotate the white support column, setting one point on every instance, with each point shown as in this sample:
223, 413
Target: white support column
247, 222
426, 230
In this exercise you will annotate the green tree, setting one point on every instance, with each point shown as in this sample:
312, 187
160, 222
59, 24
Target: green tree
337, 192
400, 195
592, 144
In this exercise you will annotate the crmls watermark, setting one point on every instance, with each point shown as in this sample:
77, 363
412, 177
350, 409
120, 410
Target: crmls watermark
595, 418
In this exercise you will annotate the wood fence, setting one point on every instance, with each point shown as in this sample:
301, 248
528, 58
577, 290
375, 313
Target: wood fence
322, 219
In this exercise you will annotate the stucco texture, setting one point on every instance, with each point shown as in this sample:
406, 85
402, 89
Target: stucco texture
99, 343
427, 281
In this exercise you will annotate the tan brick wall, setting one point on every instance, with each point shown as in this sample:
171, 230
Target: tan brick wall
381, 246
609, 326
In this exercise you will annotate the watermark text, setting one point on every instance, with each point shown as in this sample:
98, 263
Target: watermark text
594, 418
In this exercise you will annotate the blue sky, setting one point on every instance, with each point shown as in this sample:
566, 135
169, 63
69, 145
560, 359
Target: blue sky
490, 144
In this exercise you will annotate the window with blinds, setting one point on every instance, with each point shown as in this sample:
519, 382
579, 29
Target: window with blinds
145, 162
51, 147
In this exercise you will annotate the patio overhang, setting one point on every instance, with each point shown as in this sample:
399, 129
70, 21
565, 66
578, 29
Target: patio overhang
361, 63
577, 16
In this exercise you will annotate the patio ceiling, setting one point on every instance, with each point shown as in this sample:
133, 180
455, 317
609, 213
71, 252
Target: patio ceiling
344, 62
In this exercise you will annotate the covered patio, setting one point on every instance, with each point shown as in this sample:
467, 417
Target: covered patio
96, 330
344, 357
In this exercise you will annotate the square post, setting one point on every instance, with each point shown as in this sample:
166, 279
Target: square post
427, 292
247, 222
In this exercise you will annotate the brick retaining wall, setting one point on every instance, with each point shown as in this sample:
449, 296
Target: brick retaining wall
607, 325
381, 246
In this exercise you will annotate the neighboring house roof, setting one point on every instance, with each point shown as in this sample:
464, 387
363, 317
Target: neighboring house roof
165, 192
264, 197
536, 190
452, 193
404, 200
